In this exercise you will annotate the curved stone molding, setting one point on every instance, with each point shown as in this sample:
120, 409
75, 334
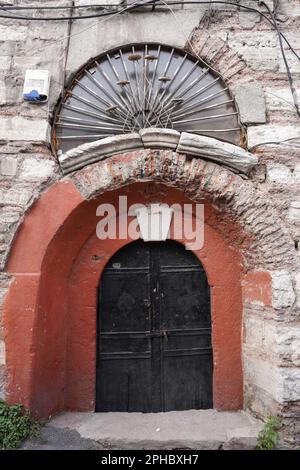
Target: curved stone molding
95, 151
190, 144
216, 150
160, 138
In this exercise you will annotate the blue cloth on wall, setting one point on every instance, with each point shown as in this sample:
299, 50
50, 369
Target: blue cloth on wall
33, 96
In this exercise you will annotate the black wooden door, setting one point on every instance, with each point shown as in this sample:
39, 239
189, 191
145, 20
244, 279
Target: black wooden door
154, 331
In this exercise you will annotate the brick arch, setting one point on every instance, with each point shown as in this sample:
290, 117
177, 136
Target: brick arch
56, 262
219, 56
260, 229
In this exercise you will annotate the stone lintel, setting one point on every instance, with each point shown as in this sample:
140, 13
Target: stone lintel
196, 145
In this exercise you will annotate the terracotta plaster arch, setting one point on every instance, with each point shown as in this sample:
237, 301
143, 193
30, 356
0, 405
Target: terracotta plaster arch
56, 261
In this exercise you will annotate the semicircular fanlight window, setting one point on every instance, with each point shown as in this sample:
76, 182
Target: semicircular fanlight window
141, 86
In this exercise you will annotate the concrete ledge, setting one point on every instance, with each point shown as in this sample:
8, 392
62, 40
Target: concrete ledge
201, 146
193, 429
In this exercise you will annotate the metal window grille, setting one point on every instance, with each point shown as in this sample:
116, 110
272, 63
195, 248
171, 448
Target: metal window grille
145, 85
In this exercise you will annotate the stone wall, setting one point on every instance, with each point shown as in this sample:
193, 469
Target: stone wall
245, 50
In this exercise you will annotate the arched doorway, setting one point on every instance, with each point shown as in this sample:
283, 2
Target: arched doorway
154, 348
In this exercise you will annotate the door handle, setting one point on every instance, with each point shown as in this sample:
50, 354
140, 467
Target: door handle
164, 334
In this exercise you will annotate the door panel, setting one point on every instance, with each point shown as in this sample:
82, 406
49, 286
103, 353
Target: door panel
124, 384
125, 302
185, 303
187, 381
187, 357
154, 331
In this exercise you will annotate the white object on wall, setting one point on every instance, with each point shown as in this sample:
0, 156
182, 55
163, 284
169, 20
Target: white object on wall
154, 221
36, 85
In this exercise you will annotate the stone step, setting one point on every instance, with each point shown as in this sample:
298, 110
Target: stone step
193, 429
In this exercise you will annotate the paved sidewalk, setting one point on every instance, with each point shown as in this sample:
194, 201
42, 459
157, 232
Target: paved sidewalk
193, 429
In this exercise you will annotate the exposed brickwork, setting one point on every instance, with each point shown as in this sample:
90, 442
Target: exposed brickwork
218, 55
235, 198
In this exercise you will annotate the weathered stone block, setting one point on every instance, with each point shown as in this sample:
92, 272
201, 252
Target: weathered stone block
2, 92
134, 28
270, 133
282, 290
20, 128
297, 288
221, 152
287, 340
5, 63
259, 50
7, 33
254, 332
290, 383
9, 166
293, 62
250, 100
248, 19
92, 152
296, 173
270, 4
34, 169
160, 138
294, 211
8, 216
16, 196
278, 99
290, 7
262, 374
282, 383
277, 341
278, 174
95, 3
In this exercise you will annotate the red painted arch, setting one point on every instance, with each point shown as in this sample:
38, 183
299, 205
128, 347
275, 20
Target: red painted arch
50, 310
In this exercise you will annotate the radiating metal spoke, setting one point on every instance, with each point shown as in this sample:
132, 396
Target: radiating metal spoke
88, 102
183, 82
203, 131
137, 82
197, 93
136, 105
69, 119
216, 116
146, 85
93, 94
154, 74
167, 102
160, 86
199, 103
109, 95
123, 106
107, 103
89, 113
206, 108
83, 137
119, 79
83, 127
